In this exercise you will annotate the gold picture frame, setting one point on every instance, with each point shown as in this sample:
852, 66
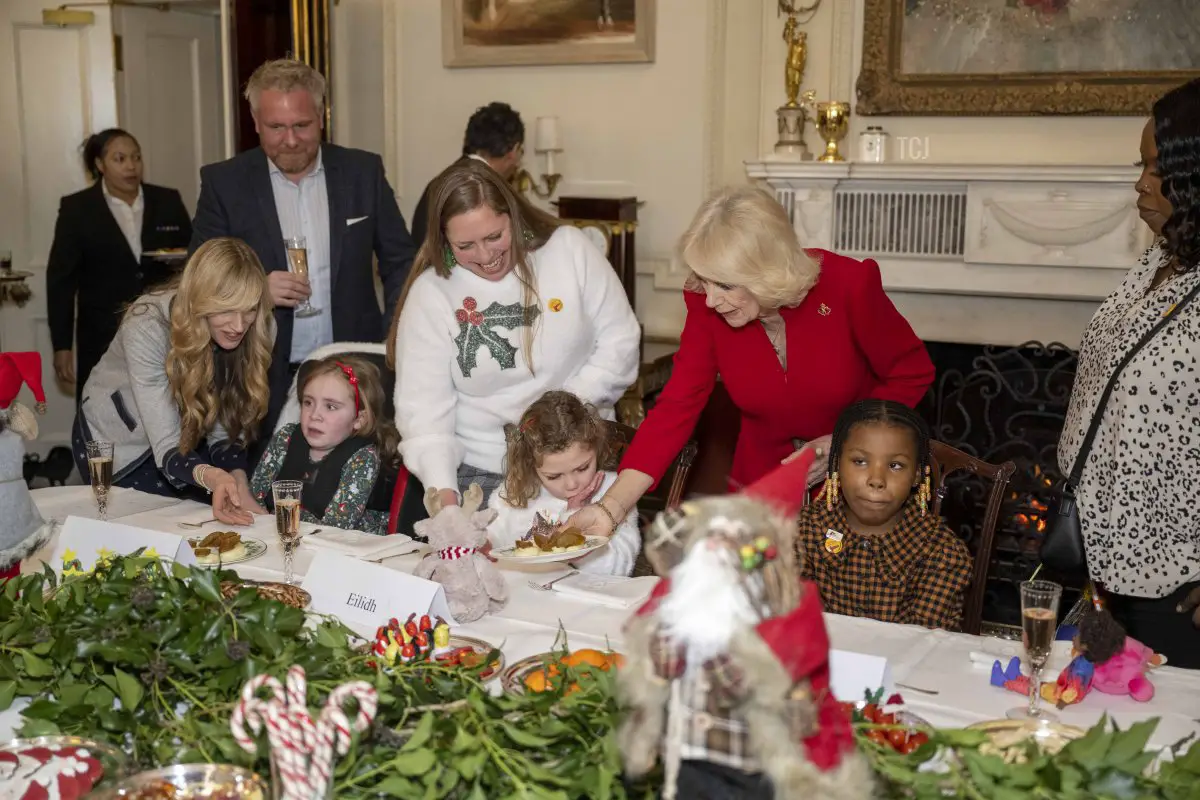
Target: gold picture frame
884, 88
546, 32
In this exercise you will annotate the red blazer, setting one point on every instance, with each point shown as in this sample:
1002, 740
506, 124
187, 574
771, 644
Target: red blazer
845, 342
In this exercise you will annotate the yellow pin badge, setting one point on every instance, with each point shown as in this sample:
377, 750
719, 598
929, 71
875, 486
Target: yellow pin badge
833, 541
555, 304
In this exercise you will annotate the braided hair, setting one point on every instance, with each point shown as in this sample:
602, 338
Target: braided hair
886, 412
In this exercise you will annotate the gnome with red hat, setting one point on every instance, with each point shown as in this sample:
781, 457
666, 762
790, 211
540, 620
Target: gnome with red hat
22, 529
727, 672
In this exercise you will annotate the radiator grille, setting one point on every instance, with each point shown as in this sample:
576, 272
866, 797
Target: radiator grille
877, 222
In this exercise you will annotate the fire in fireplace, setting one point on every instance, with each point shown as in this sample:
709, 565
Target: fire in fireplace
1000, 404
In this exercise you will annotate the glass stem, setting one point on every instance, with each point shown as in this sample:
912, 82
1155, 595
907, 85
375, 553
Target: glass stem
288, 556
1035, 689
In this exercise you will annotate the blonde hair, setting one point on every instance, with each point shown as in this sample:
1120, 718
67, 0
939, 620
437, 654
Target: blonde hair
211, 384
286, 75
463, 187
554, 422
370, 394
741, 236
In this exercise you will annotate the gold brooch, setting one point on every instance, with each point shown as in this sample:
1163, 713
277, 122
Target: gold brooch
824, 310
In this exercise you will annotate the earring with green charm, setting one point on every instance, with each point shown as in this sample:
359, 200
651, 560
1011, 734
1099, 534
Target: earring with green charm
448, 259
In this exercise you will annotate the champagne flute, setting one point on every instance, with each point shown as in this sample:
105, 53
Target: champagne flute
1039, 620
100, 468
297, 255
287, 521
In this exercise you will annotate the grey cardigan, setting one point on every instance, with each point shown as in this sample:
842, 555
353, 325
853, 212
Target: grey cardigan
128, 400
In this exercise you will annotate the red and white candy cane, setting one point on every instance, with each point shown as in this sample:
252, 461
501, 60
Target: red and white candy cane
252, 710
335, 731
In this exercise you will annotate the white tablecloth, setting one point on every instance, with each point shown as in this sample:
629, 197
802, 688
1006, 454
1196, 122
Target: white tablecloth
528, 625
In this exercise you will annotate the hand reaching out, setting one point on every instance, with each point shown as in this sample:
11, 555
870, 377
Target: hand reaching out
1191, 603
820, 465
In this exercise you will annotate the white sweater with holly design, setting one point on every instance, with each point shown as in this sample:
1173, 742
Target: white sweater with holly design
461, 372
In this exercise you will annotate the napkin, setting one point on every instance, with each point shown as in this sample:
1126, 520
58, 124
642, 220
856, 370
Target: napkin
362, 546
607, 590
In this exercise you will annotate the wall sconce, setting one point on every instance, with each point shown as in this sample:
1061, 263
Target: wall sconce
12, 283
545, 143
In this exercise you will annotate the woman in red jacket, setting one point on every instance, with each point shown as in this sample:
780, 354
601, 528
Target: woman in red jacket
795, 335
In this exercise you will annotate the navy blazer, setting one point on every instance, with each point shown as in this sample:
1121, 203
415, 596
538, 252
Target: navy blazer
91, 263
236, 199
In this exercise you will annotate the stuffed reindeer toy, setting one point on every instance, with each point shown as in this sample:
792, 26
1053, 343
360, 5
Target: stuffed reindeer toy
457, 534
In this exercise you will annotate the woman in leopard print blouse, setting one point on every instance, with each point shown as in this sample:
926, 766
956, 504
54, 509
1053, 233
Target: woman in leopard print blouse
1137, 496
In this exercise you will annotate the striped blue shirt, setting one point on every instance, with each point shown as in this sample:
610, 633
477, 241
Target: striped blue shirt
303, 210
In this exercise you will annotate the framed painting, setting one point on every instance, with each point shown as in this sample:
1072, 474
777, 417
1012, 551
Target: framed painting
494, 33
1024, 57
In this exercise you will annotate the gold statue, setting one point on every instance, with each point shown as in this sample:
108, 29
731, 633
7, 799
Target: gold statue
797, 55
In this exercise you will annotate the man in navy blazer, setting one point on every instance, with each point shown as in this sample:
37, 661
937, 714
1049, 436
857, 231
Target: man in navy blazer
337, 198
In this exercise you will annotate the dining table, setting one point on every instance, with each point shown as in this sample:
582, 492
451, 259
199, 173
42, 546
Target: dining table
943, 676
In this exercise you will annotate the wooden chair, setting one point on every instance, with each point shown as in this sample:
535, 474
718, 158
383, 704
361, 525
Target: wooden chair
947, 461
670, 489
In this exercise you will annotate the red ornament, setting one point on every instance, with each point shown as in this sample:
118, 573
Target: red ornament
770, 553
469, 303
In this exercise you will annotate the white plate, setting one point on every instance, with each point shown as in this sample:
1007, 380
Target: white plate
591, 545
254, 549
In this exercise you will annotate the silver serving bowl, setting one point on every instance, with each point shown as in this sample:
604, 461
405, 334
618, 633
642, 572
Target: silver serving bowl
111, 758
192, 782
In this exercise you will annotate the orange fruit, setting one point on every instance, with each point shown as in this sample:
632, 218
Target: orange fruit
536, 681
593, 658
616, 660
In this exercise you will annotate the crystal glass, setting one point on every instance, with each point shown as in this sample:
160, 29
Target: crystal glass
100, 468
287, 521
297, 255
1039, 621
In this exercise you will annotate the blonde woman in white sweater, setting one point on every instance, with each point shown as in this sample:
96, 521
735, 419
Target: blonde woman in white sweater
503, 304
552, 470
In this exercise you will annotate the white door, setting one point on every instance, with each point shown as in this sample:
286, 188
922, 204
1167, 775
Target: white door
169, 91
56, 87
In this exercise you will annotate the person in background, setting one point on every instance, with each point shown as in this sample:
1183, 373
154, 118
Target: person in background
183, 389
97, 257
336, 448
336, 198
795, 335
496, 136
1137, 495
504, 305
552, 467
871, 542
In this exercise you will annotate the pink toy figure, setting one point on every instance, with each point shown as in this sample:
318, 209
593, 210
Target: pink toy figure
1125, 673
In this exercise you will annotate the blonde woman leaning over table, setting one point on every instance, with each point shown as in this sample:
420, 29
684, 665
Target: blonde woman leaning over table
182, 389
795, 334
1137, 494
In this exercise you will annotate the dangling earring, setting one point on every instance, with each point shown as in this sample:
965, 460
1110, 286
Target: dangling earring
448, 259
924, 493
832, 487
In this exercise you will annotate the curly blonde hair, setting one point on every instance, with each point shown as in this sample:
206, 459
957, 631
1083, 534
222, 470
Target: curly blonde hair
554, 422
211, 384
375, 425
741, 236
463, 187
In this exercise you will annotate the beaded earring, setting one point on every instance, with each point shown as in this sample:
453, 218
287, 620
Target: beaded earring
832, 487
528, 237
448, 259
924, 492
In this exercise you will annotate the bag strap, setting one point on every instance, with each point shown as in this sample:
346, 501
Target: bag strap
1080, 460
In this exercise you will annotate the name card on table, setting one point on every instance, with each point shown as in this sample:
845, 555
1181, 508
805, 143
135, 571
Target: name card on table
367, 594
851, 675
82, 542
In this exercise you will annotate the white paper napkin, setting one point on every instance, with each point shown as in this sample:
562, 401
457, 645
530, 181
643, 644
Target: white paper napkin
360, 545
607, 590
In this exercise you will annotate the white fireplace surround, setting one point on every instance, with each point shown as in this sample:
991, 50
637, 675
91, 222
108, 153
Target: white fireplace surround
979, 253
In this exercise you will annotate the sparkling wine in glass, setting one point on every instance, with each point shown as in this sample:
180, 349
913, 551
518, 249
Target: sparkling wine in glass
1039, 621
100, 469
297, 254
287, 521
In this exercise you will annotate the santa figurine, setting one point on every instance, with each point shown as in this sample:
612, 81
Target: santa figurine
23, 530
727, 672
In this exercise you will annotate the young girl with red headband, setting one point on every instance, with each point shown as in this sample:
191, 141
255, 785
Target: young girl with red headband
336, 448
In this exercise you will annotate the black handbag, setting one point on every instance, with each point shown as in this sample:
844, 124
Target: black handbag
1062, 546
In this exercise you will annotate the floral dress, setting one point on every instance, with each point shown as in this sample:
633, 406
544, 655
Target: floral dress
348, 507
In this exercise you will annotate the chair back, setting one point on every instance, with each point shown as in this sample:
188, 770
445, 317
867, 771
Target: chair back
979, 536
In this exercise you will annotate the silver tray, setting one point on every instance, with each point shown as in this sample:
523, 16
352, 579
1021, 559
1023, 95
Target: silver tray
193, 782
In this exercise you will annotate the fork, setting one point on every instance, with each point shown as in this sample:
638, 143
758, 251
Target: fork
196, 524
545, 587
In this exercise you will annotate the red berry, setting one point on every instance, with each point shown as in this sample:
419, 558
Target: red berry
475, 318
460, 315
469, 303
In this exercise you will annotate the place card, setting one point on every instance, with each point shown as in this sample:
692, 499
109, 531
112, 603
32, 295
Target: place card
82, 542
368, 594
851, 675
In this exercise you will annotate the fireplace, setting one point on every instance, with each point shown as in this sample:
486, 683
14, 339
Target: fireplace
1000, 404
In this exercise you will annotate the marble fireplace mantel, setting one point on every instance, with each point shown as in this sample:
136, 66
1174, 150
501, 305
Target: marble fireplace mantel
983, 253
